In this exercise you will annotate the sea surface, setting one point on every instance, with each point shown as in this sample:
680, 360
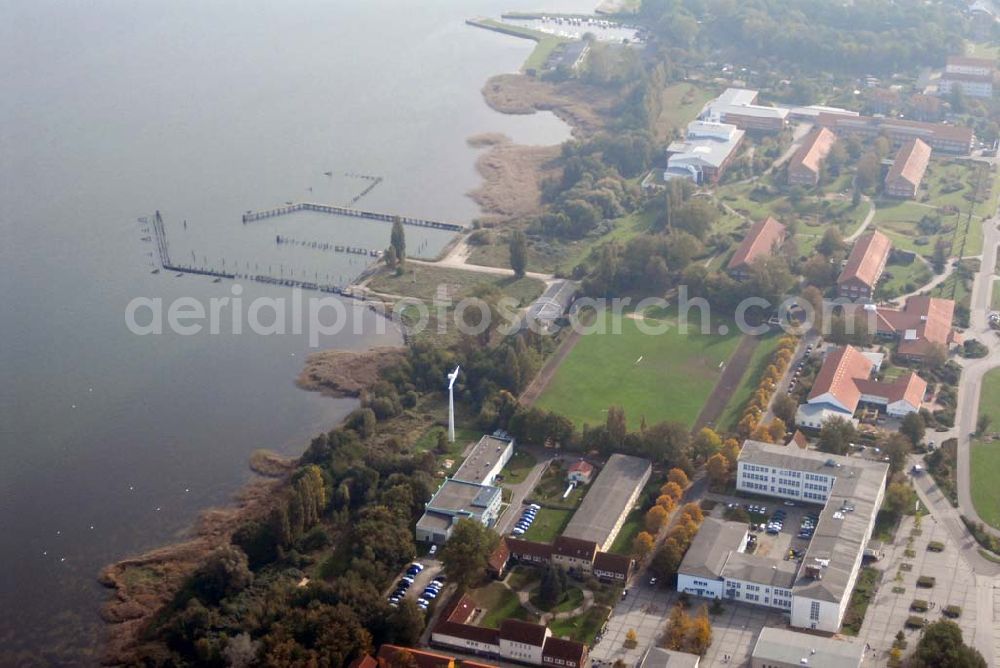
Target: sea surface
111, 442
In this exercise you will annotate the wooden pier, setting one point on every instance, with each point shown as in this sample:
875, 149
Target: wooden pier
253, 216
323, 246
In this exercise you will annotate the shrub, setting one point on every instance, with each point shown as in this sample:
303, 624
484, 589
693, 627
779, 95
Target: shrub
919, 605
915, 622
926, 581
935, 546
909, 554
952, 611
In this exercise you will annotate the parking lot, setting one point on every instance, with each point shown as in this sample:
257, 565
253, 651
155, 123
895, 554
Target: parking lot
774, 545
432, 568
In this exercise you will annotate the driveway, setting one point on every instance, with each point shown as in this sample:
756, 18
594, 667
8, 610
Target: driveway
522, 489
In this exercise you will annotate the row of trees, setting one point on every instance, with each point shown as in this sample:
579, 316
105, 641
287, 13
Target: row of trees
749, 425
668, 558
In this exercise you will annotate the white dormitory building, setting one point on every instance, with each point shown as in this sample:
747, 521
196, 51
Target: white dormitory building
816, 591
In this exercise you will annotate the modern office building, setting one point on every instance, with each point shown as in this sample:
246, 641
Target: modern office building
781, 648
705, 152
453, 501
816, 591
486, 460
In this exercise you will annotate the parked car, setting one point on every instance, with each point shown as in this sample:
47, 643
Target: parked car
434, 549
534, 506
516, 532
790, 504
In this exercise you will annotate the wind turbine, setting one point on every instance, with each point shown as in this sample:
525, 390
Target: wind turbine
451, 404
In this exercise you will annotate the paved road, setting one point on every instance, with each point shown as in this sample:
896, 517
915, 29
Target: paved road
522, 489
867, 221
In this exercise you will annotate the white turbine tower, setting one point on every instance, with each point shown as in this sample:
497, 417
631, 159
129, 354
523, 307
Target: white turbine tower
451, 404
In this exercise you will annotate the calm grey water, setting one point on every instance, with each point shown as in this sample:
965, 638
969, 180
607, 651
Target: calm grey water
110, 443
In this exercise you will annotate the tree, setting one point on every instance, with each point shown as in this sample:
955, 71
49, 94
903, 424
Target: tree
241, 651
836, 435
397, 240
656, 518
668, 558
941, 646
983, 423
692, 510
616, 426
777, 429
831, 242
731, 451
899, 497
552, 587
939, 260
700, 635
407, 623
936, 356
913, 428
225, 572
518, 253
717, 469
784, 408
677, 630
631, 638
706, 443
642, 544
466, 553
695, 216
678, 476
673, 490
897, 448
867, 174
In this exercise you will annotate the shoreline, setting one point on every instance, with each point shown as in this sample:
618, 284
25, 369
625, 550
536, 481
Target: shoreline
512, 174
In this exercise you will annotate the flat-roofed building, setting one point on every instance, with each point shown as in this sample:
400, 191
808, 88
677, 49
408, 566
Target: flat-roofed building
969, 65
781, 648
705, 152
609, 500
939, 136
764, 238
864, 266
658, 657
545, 312
816, 592
738, 106
455, 500
907, 171
805, 166
973, 85
486, 460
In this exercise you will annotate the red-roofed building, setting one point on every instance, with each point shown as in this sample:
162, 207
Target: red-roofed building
762, 240
921, 323
561, 653
580, 472
864, 266
363, 662
496, 565
529, 551
522, 641
939, 136
845, 381
907, 171
389, 657
574, 554
613, 567
805, 165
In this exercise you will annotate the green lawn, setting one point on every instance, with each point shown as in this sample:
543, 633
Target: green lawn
423, 282
571, 600
518, 467
633, 525
985, 454
500, 604
582, 628
665, 376
758, 363
995, 297
680, 103
548, 525
904, 278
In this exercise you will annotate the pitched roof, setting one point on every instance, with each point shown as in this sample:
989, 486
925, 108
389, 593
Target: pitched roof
613, 563
813, 150
529, 548
910, 387
516, 630
469, 632
581, 466
759, 241
867, 259
910, 164
921, 322
838, 375
459, 610
968, 61
967, 76
424, 658
575, 547
566, 650
938, 131
363, 662
498, 558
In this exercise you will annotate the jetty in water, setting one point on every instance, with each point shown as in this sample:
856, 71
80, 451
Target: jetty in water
253, 216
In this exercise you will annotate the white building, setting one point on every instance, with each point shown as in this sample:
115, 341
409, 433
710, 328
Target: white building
453, 501
815, 592
486, 460
705, 152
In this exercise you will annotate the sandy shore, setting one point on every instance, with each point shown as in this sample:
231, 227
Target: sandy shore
513, 174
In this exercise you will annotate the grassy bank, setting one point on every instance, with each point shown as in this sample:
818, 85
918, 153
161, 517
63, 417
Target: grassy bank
985, 454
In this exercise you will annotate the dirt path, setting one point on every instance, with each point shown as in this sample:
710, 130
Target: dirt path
728, 382
548, 370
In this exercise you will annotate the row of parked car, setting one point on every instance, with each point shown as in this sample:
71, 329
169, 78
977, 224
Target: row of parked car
431, 591
527, 517
777, 521
808, 526
798, 370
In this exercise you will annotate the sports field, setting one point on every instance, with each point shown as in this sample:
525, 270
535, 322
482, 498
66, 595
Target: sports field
666, 376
